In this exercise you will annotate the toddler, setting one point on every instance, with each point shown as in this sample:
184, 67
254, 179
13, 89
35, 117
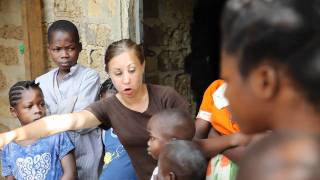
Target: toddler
181, 159
165, 126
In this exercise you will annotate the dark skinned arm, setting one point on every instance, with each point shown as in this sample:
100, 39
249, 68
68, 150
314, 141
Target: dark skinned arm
236, 153
216, 143
68, 163
10, 178
202, 129
233, 153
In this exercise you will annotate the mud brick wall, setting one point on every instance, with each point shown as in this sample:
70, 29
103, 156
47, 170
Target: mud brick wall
167, 41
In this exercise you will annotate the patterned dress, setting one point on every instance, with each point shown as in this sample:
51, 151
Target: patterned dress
39, 161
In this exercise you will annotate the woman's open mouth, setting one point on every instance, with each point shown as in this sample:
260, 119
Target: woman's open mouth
128, 91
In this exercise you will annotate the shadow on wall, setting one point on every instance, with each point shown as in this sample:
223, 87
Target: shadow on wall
203, 61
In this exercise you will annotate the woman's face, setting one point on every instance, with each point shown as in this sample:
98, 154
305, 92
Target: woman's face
245, 106
126, 73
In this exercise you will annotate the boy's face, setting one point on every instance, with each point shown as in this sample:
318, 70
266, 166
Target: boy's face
156, 140
63, 50
30, 107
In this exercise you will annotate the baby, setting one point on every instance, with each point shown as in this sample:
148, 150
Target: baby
165, 126
181, 159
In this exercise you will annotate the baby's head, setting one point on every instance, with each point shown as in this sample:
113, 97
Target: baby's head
107, 89
181, 159
63, 44
26, 102
282, 156
168, 125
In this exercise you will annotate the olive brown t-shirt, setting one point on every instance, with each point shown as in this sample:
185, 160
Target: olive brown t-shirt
131, 126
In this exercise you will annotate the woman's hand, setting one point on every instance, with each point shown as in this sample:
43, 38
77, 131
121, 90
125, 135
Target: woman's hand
6, 138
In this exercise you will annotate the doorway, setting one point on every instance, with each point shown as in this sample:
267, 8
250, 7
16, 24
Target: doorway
182, 45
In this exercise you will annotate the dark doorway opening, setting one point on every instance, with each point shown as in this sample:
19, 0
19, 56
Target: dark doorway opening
203, 63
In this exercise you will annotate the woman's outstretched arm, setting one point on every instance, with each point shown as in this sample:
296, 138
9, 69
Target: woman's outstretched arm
50, 125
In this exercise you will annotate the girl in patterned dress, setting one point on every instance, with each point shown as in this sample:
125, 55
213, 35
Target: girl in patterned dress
48, 158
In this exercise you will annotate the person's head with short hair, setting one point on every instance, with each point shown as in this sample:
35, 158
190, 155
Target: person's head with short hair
282, 156
26, 102
64, 44
107, 89
181, 159
168, 125
270, 60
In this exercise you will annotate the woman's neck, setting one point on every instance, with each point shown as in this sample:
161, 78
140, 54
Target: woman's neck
139, 102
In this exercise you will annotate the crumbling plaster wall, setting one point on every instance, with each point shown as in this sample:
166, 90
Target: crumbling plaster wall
167, 42
11, 60
12, 67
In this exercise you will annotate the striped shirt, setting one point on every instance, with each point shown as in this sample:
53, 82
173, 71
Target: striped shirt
77, 90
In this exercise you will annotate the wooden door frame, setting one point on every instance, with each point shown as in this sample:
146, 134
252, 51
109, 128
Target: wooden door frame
34, 55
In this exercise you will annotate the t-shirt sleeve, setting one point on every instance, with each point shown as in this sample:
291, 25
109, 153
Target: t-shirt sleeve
174, 100
98, 109
205, 111
206, 104
5, 162
65, 145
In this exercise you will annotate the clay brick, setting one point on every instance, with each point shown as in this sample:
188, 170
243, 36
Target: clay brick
10, 31
3, 81
8, 55
94, 8
102, 35
96, 58
68, 8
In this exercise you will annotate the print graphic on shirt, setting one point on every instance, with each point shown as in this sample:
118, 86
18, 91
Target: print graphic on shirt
35, 168
110, 156
219, 100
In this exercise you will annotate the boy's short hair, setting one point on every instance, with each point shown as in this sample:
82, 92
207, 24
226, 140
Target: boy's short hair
184, 159
15, 91
285, 155
66, 26
175, 123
